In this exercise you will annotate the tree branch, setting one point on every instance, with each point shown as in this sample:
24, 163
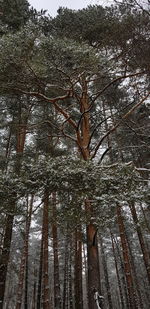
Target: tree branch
53, 101
114, 81
117, 124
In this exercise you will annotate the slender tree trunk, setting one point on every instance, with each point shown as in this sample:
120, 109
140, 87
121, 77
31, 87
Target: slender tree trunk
85, 280
8, 148
117, 273
141, 240
106, 274
24, 257
144, 215
39, 289
70, 279
134, 274
126, 259
57, 297
65, 283
26, 282
124, 283
34, 289
78, 270
46, 295
4, 258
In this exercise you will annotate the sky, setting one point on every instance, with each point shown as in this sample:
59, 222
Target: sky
52, 5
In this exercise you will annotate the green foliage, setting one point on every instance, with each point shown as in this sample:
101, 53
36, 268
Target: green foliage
76, 180
119, 28
14, 14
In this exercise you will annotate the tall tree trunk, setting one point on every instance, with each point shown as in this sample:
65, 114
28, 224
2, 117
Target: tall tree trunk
135, 277
106, 274
78, 270
117, 273
126, 259
39, 289
124, 283
141, 240
85, 277
24, 257
70, 279
4, 258
8, 148
57, 296
65, 283
93, 261
83, 141
144, 215
46, 294
34, 289
26, 282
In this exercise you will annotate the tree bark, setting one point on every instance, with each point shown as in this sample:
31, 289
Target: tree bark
65, 283
57, 296
141, 240
24, 257
93, 265
78, 270
34, 289
4, 258
126, 259
70, 279
117, 273
39, 289
124, 283
83, 141
106, 274
46, 300
135, 277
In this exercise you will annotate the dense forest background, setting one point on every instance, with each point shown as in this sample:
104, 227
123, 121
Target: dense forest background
74, 160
